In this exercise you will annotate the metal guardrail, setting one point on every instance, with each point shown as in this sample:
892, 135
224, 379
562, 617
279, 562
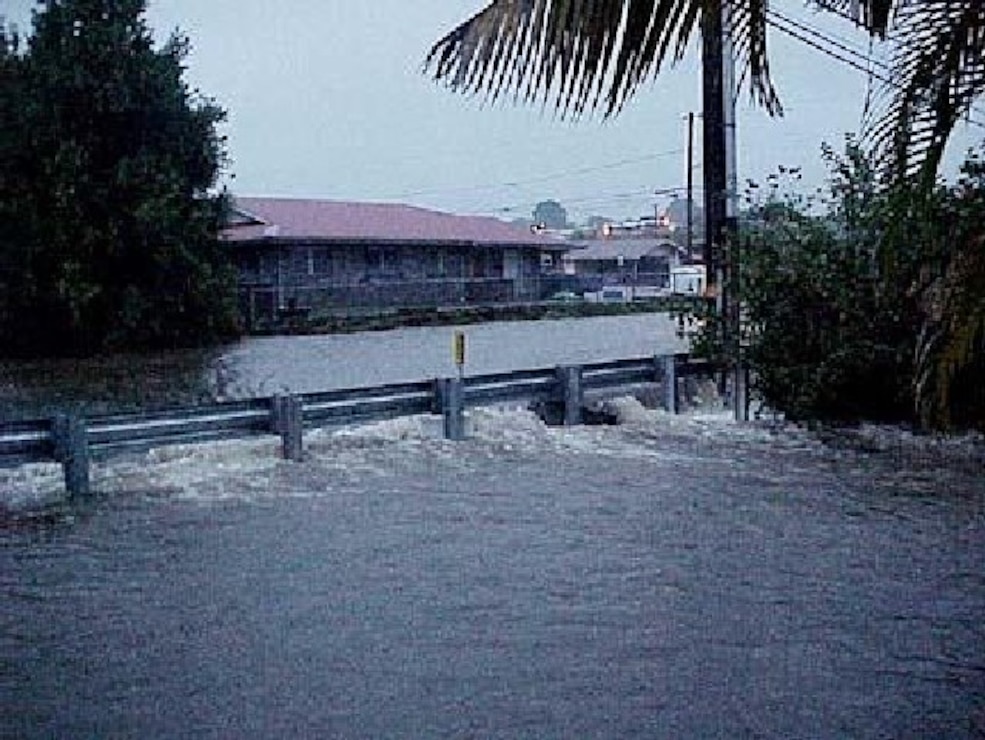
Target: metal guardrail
356, 405
73, 441
26, 441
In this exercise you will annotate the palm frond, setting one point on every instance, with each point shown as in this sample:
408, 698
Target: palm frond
952, 339
872, 15
938, 71
937, 62
589, 55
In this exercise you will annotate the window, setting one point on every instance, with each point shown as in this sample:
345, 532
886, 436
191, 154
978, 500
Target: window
434, 263
320, 262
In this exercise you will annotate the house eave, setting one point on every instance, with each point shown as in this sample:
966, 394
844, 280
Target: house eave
310, 241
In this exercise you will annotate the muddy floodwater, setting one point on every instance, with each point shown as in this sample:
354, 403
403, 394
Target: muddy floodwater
667, 577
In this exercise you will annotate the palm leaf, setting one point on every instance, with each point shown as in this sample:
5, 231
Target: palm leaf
938, 71
592, 55
589, 55
952, 338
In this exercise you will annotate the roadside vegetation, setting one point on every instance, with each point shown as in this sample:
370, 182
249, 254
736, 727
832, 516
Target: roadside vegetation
108, 208
866, 303
872, 307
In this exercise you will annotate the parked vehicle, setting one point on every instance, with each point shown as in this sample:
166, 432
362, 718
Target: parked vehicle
688, 280
626, 293
564, 296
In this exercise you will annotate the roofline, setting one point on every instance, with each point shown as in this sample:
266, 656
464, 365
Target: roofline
312, 241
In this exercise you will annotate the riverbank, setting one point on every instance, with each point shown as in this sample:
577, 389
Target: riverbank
300, 323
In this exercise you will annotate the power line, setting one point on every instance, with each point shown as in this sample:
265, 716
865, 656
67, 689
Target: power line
642, 193
610, 197
815, 45
888, 81
542, 178
829, 39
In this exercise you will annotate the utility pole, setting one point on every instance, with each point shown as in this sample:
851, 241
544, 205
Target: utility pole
690, 183
713, 141
720, 179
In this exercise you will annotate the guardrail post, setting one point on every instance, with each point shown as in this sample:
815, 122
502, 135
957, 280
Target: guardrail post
740, 392
451, 401
570, 393
287, 420
671, 396
72, 451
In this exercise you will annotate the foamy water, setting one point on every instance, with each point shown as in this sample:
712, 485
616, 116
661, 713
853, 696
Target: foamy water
670, 576
250, 468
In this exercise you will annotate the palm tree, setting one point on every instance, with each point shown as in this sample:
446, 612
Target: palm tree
584, 56
592, 55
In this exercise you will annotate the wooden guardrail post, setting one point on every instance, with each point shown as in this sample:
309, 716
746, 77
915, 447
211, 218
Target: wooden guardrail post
671, 396
287, 420
570, 393
72, 451
451, 402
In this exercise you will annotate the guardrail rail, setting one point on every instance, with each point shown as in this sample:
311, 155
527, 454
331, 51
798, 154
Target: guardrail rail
74, 440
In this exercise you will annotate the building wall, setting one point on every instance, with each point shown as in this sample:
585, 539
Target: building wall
646, 271
342, 277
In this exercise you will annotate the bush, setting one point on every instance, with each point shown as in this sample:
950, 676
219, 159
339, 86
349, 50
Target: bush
867, 303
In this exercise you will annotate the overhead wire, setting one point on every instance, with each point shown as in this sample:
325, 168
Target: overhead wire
796, 29
837, 49
543, 178
829, 39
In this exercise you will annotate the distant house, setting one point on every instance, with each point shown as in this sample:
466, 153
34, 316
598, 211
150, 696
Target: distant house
632, 261
333, 256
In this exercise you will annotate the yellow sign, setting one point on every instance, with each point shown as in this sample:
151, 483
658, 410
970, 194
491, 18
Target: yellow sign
459, 348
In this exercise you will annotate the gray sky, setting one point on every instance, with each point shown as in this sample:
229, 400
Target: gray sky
326, 99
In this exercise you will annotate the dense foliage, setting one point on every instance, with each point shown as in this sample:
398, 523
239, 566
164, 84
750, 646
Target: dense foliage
108, 162
867, 304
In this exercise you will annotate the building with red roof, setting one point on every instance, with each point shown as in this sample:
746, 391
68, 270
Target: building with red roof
342, 257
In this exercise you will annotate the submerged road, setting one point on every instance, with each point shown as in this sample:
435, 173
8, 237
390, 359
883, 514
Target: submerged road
668, 577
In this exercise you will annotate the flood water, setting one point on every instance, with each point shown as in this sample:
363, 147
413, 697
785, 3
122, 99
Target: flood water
263, 366
667, 577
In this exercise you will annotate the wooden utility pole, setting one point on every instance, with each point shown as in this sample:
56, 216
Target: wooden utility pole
690, 183
713, 140
720, 179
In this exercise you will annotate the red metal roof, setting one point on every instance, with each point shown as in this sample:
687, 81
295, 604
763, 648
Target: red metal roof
289, 218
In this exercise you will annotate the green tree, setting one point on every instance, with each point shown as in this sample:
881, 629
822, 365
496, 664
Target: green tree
949, 357
551, 214
871, 310
108, 164
828, 333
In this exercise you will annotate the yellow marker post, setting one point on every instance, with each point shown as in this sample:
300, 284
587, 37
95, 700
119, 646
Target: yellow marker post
458, 350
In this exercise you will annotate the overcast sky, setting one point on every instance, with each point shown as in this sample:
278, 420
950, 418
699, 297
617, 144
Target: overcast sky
326, 98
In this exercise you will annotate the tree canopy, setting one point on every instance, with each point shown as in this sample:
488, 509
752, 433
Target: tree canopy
551, 214
108, 208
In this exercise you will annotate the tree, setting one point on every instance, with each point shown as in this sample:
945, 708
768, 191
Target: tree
949, 357
551, 214
828, 323
108, 163
585, 57
870, 310
594, 56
